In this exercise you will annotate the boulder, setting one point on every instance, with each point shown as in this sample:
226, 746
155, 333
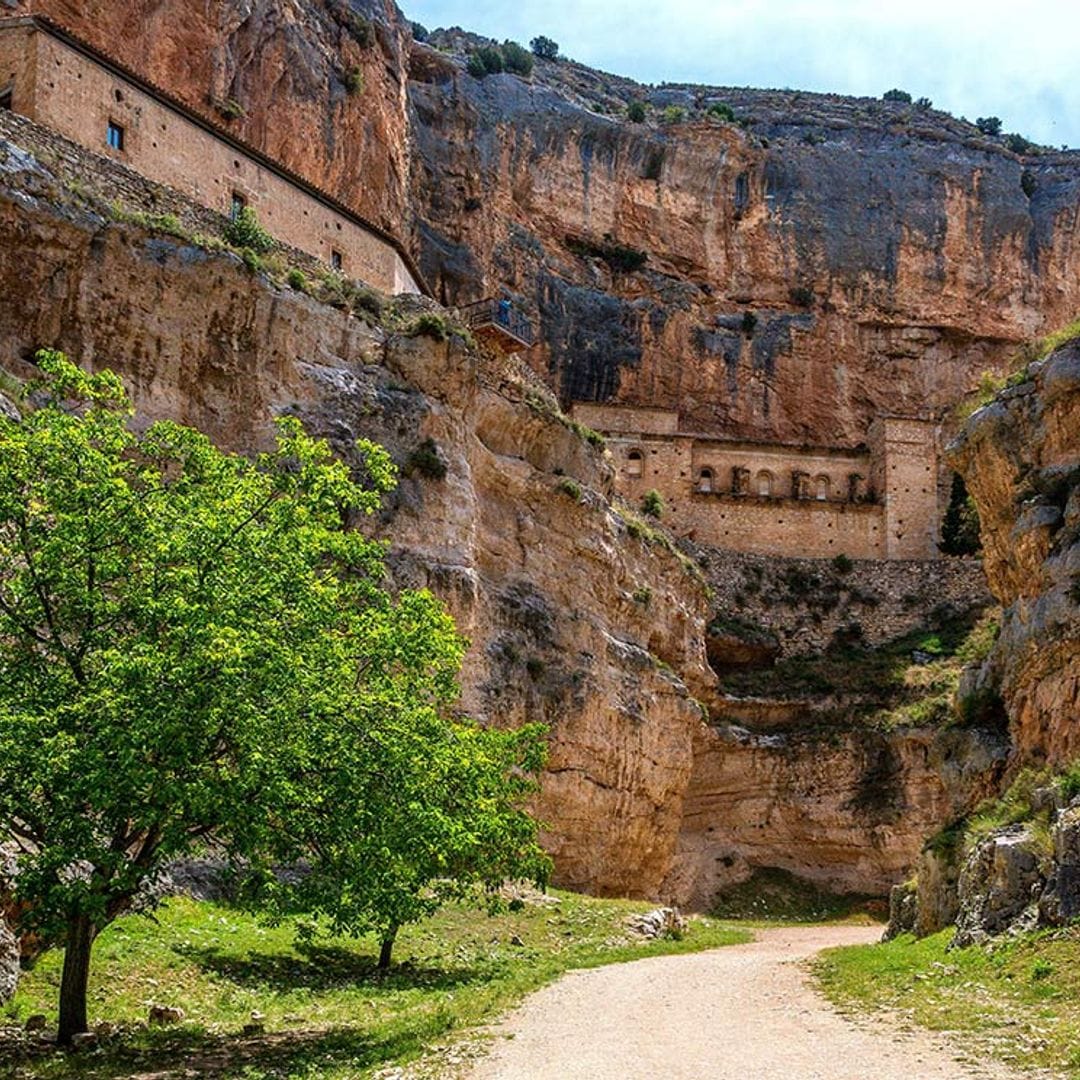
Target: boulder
665, 922
999, 881
903, 910
1060, 902
939, 882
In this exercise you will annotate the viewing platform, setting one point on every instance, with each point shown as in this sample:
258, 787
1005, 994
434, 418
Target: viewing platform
500, 321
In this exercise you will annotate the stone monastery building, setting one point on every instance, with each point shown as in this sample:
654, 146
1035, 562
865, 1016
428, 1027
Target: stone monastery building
53, 78
876, 502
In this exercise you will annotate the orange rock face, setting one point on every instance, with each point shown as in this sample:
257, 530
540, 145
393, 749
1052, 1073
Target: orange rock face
1020, 457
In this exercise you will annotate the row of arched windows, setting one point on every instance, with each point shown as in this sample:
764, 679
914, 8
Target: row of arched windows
764, 483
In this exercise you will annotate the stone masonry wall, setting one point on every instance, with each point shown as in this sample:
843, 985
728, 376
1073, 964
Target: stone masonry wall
807, 602
79, 98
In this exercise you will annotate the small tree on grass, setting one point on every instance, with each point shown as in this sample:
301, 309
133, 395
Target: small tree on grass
195, 645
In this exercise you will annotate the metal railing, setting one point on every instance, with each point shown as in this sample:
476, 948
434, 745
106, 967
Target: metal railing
501, 315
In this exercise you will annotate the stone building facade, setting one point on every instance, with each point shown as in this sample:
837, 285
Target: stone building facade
57, 80
877, 501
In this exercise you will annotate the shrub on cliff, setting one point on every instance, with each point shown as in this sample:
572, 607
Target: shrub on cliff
193, 646
652, 503
636, 112
244, 231
718, 110
989, 125
901, 96
487, 60
544, 48
517, 59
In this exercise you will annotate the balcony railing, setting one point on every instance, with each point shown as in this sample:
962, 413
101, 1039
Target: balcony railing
501, 317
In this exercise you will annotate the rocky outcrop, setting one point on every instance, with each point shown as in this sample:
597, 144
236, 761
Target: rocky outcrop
821, 260
1020, 457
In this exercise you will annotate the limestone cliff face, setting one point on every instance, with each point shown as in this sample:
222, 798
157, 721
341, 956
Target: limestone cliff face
576, 620
1021, 459
823, 260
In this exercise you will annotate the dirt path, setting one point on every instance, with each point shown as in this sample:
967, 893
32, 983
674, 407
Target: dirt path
746, 1012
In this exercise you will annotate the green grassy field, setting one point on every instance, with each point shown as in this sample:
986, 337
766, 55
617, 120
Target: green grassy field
1019, 1000
327, 1011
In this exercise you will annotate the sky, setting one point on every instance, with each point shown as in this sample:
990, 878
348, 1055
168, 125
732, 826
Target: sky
1015, 60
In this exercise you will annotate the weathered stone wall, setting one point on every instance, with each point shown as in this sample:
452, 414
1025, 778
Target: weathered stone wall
807, 602
905, 476
80, 98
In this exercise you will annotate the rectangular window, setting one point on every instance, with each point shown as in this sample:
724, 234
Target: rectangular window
238, 204
335, 259
115, 137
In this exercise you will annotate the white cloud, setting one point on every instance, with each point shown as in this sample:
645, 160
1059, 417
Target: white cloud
972, 57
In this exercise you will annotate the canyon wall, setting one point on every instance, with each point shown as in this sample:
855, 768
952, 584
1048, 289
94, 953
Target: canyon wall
1020, 457
579, 616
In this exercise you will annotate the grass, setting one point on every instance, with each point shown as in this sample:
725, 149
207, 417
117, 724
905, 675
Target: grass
882, 687
1019, 1001
327, 1011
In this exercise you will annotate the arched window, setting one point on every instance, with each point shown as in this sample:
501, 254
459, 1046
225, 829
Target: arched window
634, 463
765, 484
821, 488
705, 479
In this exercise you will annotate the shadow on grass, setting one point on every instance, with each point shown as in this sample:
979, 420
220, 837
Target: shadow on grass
327, 967
191, 1052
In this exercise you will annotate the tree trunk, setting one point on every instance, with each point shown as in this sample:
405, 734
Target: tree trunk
387, 949
80, 940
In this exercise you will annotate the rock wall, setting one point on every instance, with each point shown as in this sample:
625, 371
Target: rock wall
578, 617
1020, 457
819, 262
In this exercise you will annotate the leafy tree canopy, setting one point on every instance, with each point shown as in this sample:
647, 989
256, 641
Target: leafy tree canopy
194, 646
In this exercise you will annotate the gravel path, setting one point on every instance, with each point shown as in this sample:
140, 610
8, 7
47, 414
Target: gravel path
745, 1012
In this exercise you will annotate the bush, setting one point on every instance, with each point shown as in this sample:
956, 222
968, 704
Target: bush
252, 260
571, 488
720, 111
244, 231
369, 301
643, 595
843, 564
673, 114
353, 80
923, 103
989, 125
544, 48
1027, 183
429, 324
426, 461
636, 112
901, 96
517, 59
801, 296
419, 31
1018, 144
297, 279
487, 60
652, 503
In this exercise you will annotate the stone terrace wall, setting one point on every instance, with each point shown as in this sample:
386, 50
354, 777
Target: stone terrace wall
805, 602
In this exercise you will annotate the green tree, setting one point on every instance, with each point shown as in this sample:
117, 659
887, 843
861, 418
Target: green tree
989, 125
517, 59
196, 645
636, 112
901, 96
960, 526
544, 48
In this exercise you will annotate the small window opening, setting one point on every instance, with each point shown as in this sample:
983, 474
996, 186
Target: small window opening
634, 464
764, 484
236, 207
822, 489
115, 136
118, 95
336, 260
705, 479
